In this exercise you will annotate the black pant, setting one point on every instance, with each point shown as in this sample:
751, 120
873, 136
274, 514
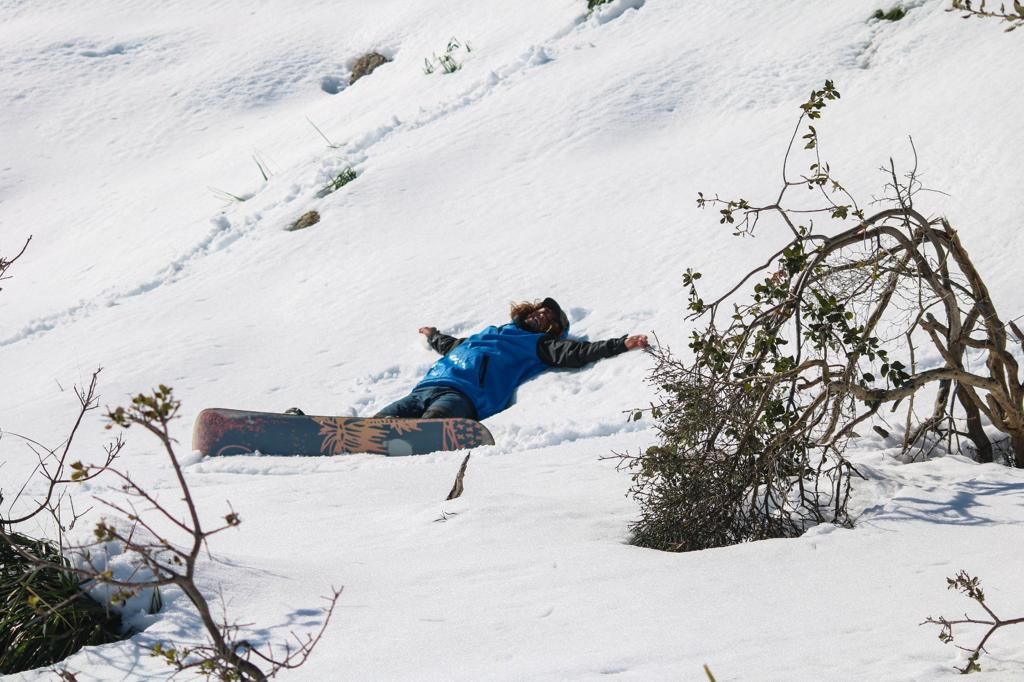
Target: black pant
431, 402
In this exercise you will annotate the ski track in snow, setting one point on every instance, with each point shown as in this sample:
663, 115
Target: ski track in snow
252, 89
222, 235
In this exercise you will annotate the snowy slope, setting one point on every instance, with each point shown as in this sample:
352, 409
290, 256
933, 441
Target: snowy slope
563, 159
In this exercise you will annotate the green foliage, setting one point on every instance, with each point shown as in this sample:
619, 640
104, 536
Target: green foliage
158, 408
447, 60
594, 4
697, 488
818, 100
44, 614
894, 14
340, 180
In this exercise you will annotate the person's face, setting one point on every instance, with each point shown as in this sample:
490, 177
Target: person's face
542, 319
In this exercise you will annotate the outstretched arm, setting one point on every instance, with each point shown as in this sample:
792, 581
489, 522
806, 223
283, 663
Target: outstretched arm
637, 341
442, 343
573, 354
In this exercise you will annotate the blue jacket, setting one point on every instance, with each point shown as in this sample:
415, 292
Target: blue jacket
490, 365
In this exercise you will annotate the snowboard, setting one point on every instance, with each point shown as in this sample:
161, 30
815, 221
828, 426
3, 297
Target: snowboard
238, 432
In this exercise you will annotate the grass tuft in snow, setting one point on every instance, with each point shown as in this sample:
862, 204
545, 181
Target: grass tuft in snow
447, 60
894, 14
340, 180
45, 616
262, 167
330, 144
228, 197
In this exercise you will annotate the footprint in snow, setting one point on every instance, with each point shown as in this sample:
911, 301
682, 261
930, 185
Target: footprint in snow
577, 314
111, 51
332, 85
387, 374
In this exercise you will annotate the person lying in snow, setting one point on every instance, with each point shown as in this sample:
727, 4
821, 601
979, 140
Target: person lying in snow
478, 375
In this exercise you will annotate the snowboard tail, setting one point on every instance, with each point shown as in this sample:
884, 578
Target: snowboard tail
238, 432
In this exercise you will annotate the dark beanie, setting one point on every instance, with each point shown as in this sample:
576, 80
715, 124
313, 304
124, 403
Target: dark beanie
552, 304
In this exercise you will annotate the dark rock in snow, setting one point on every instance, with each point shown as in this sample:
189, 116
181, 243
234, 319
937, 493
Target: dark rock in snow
365, 65
307, 219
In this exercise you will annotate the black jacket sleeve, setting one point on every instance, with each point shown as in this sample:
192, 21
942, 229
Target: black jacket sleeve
572, 354
443, 343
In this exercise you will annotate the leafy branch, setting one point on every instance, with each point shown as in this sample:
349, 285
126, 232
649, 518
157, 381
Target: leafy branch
1014, 18
971, 588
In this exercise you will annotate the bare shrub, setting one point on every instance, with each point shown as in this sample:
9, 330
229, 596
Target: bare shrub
754, 426
146, 533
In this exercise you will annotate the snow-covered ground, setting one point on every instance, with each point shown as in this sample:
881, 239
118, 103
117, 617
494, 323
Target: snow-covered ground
564, 160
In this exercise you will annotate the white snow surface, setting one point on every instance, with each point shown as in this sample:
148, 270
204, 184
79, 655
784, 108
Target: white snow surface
564, 160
